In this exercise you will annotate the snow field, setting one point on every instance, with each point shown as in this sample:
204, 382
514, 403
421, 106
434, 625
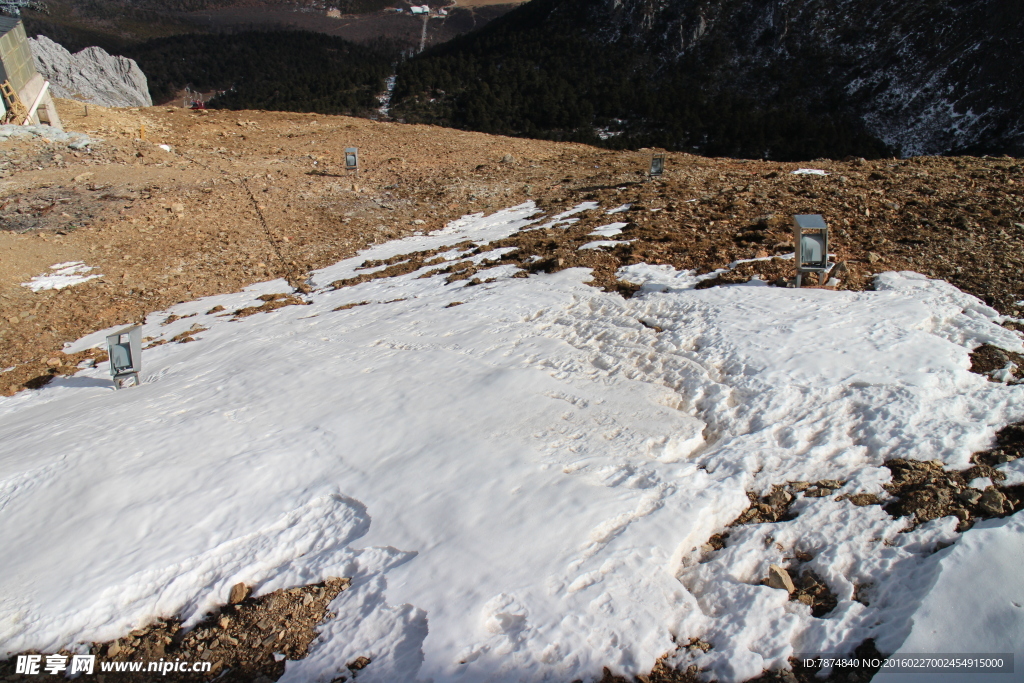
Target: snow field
520, 486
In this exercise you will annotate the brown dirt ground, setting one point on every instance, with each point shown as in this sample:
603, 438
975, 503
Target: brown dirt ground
164, 227
248, 196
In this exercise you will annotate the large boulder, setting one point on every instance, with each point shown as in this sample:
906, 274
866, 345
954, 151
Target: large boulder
91, 75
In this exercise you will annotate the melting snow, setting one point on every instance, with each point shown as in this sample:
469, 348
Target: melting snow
520, 486
600, 244
62, 275
609, 230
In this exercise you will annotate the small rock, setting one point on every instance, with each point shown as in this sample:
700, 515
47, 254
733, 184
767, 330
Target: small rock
53, 362
359, 664
178, 207
83, 177
992, 501
873, 257
225, 622
114, 649
969, 496
508, 159
239, 592
779, 498
863, 499
779, 578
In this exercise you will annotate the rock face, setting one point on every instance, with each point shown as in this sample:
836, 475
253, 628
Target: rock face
91, 75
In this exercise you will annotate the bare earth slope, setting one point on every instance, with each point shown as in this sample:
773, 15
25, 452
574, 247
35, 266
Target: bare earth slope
170, 205
247, 196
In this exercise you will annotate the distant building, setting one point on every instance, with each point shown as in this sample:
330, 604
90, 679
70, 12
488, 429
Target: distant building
422, 9
16, 66
334, 13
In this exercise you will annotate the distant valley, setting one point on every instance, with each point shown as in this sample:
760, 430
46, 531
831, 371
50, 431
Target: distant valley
771, 79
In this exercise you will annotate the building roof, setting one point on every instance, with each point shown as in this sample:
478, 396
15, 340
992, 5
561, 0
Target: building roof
7, 23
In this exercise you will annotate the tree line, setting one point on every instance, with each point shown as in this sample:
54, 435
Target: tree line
535, 73
273, 70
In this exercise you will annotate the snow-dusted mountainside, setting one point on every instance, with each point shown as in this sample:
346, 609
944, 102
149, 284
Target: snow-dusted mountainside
91, 75
785, 79
926, 77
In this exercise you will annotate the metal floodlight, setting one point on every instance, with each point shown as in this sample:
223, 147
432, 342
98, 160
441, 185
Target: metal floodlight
352, 159
657, 165
125, 351
810, 237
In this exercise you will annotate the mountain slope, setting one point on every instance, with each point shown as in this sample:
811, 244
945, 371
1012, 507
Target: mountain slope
773, 78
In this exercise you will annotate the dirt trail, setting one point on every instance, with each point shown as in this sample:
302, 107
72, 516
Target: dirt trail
243, 197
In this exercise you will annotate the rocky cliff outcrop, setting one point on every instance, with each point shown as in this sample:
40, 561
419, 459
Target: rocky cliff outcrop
91, 75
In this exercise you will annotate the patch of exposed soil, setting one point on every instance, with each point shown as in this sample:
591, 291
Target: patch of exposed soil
989, 360
925, 491
247, 640
271, 302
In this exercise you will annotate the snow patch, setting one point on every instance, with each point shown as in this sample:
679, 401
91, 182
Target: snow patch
62, 275
520, 485
610, 230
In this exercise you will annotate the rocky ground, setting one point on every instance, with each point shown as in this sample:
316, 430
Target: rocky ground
242, 197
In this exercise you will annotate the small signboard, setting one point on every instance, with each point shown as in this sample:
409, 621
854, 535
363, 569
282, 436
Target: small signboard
125, 351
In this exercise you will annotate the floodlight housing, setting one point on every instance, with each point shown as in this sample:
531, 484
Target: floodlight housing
352, 159
124, 349
810, 240
657, 165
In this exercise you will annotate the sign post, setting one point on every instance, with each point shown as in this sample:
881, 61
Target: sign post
125, 351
